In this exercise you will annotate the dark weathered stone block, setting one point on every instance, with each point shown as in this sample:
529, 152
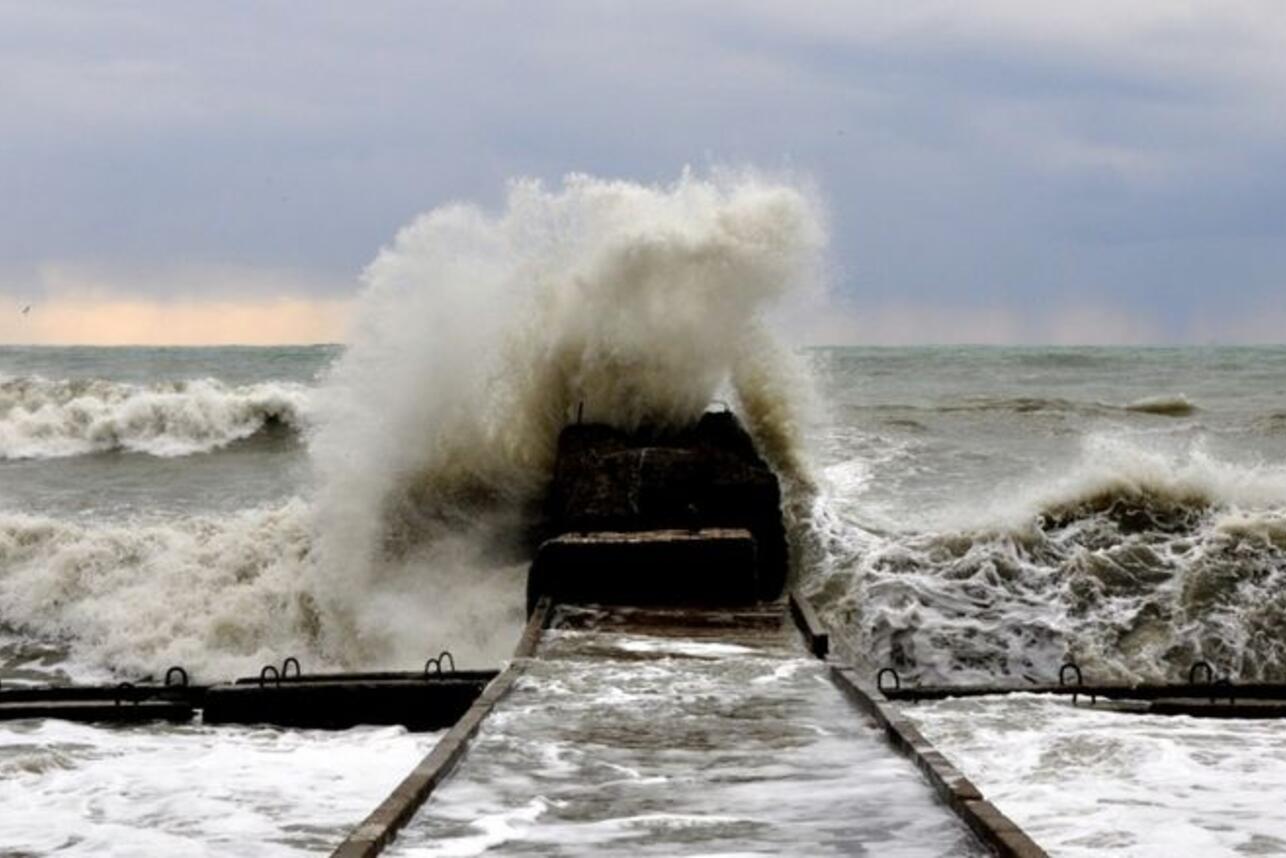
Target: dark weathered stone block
707, 476
665, 567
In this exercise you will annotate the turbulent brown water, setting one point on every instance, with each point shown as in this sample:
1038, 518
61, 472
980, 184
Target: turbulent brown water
993, 512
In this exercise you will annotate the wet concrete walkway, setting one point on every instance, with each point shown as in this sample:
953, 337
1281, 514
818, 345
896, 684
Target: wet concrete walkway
653, 733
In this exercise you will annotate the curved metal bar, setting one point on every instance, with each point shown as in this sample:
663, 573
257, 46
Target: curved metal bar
435, 664
1080, 680
264, 675
183, 676
1192, 672
126, 690
879, 678
442, 659
285, 667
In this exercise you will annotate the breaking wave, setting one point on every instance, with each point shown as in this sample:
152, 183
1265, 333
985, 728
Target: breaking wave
44, 419
481, 334
223, 595
1271, 423
478, 336
220, 594
1135, 565
1166, 406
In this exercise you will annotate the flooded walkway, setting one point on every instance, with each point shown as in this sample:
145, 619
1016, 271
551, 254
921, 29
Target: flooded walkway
680, 733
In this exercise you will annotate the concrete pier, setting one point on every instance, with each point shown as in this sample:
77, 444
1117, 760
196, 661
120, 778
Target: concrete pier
663, 731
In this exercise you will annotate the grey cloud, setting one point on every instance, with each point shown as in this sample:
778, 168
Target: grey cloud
992, 161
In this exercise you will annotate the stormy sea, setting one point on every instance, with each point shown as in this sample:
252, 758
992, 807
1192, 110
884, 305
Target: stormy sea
959, 513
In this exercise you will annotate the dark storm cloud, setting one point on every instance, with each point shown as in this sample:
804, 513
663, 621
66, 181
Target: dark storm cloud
1011, 161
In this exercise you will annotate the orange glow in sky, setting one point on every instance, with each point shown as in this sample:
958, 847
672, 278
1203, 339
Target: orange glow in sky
111, 320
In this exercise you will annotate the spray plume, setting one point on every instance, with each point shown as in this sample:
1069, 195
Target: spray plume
478, 337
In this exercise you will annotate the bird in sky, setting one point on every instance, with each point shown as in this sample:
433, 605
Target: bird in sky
26, 309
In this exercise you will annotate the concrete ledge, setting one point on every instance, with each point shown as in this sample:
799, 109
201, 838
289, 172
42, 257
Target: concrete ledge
483, 676
1141, 691
707, 567
1000, 832
996, 830
417, 704
1241, 709
763, 617
99, 711
124, 692
536, 625
819, 640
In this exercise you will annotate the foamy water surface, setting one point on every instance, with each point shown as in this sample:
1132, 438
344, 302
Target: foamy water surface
74, 789
616, 744
1087, 783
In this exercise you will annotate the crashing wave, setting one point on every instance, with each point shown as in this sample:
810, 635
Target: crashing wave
224, 594
44, 419
219, 594
481, 334
1135, 564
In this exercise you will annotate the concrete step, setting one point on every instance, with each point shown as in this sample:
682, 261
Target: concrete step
417, 704
709, 567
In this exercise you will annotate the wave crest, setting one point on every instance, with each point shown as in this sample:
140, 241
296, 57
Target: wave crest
1165, 406
1135, 564
44, 419
218, 594
480, 335
1122, 473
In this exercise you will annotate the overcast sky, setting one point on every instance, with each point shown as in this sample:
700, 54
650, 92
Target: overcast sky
995, 171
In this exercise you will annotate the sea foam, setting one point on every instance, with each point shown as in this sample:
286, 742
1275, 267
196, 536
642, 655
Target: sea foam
1135, 562
53, 418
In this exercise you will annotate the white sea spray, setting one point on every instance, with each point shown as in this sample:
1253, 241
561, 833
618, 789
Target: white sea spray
480, 334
